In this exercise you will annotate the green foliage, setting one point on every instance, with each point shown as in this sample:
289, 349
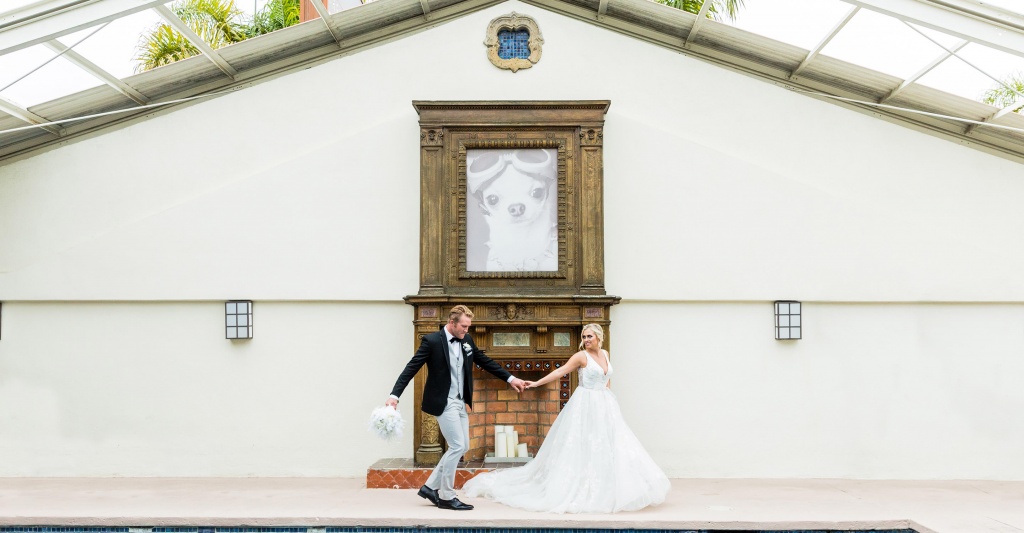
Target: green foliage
1008, 92
215, 21
218, 22
162, 46
728, 8
276, 14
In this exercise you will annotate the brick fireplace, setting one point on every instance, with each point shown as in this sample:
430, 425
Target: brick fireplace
531, 413
528, 337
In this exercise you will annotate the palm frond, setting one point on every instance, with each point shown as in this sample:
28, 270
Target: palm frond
1006, 93
161, 46
217, 22
275, 15
718, 8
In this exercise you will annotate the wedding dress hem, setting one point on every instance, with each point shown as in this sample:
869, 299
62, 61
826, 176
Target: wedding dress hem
590, 461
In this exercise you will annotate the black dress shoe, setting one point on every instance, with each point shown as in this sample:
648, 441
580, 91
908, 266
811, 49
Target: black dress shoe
454, 504
429, 493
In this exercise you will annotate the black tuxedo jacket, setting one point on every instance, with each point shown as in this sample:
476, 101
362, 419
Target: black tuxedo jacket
433, 352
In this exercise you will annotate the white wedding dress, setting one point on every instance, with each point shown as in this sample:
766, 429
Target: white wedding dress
590, 461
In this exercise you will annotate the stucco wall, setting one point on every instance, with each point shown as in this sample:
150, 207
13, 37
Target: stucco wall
885, 391
723, 193
154, 389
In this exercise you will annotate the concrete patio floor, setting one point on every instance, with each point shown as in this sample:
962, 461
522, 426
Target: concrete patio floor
725, 504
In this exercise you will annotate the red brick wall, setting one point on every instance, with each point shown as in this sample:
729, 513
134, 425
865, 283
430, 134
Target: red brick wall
494, 402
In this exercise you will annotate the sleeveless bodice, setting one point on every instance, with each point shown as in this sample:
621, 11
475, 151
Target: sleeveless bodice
592, 376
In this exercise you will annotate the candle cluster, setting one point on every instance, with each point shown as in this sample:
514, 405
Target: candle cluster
506, 442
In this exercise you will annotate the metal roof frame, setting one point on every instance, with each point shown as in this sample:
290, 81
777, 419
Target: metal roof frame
296, 47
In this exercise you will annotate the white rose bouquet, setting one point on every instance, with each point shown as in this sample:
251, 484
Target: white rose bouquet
387, 423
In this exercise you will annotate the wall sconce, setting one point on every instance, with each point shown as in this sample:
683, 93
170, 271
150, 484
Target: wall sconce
787, 320
238, 319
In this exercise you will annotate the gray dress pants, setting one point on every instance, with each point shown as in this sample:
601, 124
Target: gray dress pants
454, 424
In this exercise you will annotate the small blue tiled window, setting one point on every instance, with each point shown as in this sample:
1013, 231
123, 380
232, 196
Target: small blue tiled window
514, 44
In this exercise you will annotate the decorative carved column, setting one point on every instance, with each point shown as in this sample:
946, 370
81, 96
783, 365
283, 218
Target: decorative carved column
433, 204
591, 228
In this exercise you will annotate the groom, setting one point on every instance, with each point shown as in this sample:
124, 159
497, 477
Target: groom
449, 355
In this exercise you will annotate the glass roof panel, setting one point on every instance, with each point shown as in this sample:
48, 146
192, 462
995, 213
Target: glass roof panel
334, 6
802, 23
40, 86
958, 77
1010, 5
941, 40
16, 64
996, 63
14, 5
883, 43
113, 47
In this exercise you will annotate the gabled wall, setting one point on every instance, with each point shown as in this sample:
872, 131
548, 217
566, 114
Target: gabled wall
723, 193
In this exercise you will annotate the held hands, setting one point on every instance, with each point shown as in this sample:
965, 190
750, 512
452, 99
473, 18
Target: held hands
518, 384
531, 384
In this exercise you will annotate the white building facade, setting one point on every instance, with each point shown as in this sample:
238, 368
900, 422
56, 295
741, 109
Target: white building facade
723, 194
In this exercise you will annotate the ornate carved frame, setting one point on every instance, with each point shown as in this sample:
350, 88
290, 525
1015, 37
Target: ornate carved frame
449, 129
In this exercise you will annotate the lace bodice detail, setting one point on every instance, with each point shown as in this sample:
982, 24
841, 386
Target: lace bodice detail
592, 376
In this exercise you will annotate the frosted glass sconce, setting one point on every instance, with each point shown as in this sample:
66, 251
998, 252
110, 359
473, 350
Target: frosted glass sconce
787, 320
238, 319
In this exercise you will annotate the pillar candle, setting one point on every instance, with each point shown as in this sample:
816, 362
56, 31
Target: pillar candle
500, 445
521, 450
510, 441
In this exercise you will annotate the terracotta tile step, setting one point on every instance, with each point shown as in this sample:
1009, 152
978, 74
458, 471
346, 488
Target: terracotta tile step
400, 473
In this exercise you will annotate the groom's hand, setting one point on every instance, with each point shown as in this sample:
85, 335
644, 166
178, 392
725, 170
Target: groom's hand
391, 403
517, 384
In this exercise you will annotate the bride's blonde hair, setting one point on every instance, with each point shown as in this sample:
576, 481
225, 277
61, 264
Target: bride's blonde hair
598, 331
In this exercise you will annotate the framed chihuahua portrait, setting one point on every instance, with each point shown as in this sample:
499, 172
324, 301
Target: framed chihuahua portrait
512, 210
511, 196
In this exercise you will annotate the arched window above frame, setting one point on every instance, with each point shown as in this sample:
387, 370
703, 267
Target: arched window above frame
513, 42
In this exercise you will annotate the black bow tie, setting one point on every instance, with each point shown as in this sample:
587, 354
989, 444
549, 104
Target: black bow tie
454, 339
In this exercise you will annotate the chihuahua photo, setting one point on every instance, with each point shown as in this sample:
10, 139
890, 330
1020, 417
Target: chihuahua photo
514, 193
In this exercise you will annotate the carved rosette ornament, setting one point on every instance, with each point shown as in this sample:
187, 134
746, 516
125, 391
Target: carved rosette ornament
431, 137
592, 137
513, 22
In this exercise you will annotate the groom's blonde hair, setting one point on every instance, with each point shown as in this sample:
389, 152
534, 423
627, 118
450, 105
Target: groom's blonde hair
457, 313
598, 332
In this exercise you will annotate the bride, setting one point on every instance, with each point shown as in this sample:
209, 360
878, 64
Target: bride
590, 461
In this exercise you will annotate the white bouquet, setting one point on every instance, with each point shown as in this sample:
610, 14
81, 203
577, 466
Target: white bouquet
387, 423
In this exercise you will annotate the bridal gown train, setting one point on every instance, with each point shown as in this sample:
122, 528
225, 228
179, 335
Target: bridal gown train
590, 461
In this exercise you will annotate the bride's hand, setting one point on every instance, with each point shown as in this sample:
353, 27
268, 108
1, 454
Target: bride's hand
531, 384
